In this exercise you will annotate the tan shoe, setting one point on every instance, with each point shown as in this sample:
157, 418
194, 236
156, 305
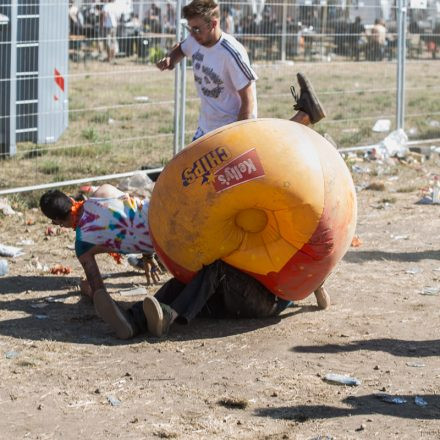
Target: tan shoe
322, 298
110, 313
159, 316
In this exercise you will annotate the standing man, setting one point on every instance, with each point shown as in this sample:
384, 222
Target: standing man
379, 37
109, 24
224, 78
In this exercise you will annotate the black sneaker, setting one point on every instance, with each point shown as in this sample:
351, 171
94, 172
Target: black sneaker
307, 101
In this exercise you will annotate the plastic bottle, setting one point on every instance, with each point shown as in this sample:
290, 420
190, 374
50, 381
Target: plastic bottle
3, 267
342, 379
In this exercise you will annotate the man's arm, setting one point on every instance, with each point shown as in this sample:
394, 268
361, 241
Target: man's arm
173, 58
247, 102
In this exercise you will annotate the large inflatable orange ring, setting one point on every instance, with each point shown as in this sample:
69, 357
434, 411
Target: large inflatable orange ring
270, 197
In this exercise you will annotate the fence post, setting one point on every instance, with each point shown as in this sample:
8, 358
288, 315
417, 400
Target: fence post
284, 31
176, 139
182, 98
8, 81
401, 58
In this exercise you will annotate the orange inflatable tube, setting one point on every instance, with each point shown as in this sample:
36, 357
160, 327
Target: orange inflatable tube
270, 197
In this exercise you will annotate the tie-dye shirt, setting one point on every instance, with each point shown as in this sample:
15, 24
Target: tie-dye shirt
120, 224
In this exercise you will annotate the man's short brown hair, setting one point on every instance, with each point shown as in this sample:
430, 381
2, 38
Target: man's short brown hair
206, 9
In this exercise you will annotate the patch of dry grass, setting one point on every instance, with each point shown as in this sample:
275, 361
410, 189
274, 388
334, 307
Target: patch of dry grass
113, 127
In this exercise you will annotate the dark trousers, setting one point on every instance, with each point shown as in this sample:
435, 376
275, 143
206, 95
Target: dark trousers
217, 291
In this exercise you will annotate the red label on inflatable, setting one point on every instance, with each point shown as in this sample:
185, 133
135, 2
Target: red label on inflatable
243, 168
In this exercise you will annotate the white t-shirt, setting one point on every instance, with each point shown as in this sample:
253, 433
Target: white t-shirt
220, 72
110, 16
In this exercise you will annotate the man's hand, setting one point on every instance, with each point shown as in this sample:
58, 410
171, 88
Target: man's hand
172, 59
165, 64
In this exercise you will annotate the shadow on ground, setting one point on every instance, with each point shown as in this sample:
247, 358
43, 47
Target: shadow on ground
364, 256
396, 347
34, 283
56, 318
369, 404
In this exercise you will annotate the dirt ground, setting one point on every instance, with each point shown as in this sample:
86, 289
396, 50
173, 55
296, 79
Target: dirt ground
64, 375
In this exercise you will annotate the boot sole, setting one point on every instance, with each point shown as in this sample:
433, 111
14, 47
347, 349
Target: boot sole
110, 313
154, 315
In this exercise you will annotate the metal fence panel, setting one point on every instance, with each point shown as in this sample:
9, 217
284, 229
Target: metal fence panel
52, 70
422, 85
121, 110
8, 65
354, 76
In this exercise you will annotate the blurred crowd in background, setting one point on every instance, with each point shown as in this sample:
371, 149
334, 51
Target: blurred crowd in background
308, 28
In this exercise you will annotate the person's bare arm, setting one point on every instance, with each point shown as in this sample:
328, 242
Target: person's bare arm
174, 57
91, 270
247, 102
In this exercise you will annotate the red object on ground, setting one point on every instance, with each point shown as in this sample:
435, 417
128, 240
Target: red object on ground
59, 269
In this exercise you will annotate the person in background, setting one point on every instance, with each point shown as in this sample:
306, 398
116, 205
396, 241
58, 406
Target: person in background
378, 39
433, 41
227, 21
76, 20
357, 35
169, 26
153, 19
109, 25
